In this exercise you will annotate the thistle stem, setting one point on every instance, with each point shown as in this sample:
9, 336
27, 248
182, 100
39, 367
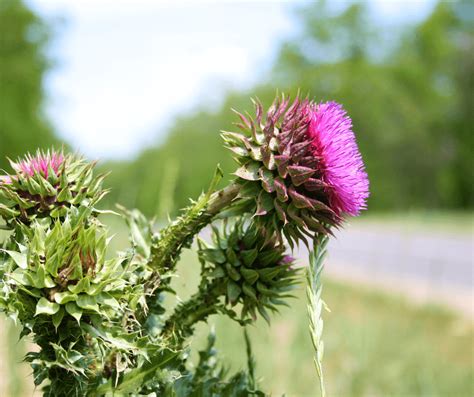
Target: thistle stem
200, 306
179, 234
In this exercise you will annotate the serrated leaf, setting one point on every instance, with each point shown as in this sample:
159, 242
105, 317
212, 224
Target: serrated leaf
134, 379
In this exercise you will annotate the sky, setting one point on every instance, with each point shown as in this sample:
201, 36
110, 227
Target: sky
124, 69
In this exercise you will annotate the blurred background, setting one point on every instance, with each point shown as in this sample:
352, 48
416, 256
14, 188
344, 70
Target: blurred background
146, 86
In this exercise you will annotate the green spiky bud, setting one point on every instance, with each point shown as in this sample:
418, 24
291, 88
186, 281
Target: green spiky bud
250, 266
47, 184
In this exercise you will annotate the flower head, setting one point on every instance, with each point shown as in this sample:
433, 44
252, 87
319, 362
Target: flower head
300, 165
40, 163
340, 162
48, 184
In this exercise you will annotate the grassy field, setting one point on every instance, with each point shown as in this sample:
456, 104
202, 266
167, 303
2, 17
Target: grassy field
445, 222
375, 345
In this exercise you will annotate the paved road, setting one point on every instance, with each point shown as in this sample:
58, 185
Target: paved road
428, 266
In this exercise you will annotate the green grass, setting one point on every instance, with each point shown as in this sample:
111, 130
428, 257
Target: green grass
452, 222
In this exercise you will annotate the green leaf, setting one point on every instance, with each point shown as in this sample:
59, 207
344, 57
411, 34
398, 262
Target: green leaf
64, 297
109, 300
214, 256
58, 317
264, 203
74, 311
44, 306
269, 273
249, 291
134, 379
21, 277
249, 256
87, 302
18, 258
233, 274
82, 286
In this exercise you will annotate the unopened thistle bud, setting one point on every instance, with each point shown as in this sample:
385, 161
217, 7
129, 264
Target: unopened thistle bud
251, 267
47, 184
301, 165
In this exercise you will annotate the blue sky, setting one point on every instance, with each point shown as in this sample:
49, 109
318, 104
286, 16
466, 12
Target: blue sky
125, 68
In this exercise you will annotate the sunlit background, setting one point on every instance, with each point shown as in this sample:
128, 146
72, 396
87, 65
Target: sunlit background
145, 87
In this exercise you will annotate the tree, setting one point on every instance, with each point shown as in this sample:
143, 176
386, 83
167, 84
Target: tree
23, 64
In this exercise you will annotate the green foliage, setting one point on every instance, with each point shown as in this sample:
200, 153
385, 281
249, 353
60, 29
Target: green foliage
23, 40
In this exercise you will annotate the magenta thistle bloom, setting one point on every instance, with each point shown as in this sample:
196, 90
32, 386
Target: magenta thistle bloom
340, 162
301, 166
40, 163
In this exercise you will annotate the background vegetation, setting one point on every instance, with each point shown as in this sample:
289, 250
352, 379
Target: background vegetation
408, 90
23, 64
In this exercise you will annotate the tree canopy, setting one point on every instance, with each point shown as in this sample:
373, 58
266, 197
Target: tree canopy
409, 95
23, 64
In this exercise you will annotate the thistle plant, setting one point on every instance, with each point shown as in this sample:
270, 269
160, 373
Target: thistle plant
99, 319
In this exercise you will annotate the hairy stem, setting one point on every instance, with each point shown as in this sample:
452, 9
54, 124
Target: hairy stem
169, 243
186, 315
178, 235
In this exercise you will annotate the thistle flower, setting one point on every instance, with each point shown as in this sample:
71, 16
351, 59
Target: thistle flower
47, 183
41, 163
300, 165
250, 266
340, 165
